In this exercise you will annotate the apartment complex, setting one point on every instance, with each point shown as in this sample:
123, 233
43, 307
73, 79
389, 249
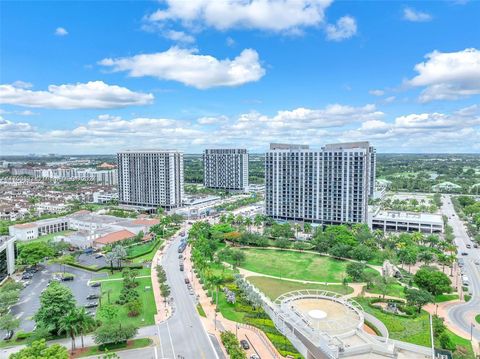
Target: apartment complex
226, 169
103, 177
327, 186
150, 178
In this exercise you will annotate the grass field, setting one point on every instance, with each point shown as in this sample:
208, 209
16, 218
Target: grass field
477, 318
146, 298
131, 344
273, 288
445, 297
149, 256
413, 330
394, 290
296, 265
141, 272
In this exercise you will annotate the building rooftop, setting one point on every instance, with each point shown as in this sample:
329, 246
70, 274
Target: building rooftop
409, 216
115, 237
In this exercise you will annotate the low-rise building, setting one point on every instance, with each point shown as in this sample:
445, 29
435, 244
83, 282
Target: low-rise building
398, 221
113, 237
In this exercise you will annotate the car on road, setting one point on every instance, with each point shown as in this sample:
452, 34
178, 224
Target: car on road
464, 254
93, 296
244, 344
475, 245
180, 256
181, 267
187, 281
95, 284
91, 305
254, 356
191, 291
8, 335
67, 278
469, 246
98, 256
26, 276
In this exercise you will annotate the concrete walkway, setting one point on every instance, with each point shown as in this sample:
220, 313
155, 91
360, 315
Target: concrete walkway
163, 308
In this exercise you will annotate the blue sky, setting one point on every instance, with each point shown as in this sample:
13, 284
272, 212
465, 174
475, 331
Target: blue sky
97, 77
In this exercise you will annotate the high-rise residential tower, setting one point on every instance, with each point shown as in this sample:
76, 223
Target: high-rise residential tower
150, 178
226, 169
329, 186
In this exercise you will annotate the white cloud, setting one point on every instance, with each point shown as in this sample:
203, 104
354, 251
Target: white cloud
345, 28
60, 31
179, 36
94, 94
390, 99
22, 84
271, 15
186, 66
230, 42
212, 120
448, 75
411, 14
376, 92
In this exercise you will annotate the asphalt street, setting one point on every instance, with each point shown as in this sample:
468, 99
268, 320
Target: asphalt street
182, 335
458, 313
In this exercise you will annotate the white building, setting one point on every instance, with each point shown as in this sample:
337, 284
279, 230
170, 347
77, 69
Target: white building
330, 186
226, 169
33, 230
150, 178
7, 257
399, 221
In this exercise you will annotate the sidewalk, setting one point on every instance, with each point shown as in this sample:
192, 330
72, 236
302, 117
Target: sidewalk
257, 339
163, 308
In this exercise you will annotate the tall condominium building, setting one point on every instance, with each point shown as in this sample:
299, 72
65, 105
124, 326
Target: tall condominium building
150, 178
330, 186
7, 257
226, 169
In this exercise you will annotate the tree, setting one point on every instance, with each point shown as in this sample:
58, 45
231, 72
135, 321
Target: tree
383, 284
432, 281
109, 313
7, 299
282, 243
238, 256
307, 228
114, 333
34, 253
39, 350
355, 270
68, 324
85, 321
446, 342
418, 298
119, 253
9, 322
55, 303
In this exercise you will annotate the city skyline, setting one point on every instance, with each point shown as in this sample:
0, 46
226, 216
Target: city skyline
404, 76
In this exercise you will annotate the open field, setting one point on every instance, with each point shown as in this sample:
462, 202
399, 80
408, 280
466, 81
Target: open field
146, 298
273, 288
394, 290
296, 265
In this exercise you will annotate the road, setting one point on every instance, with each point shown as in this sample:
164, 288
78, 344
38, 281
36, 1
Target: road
461, 314
182, 335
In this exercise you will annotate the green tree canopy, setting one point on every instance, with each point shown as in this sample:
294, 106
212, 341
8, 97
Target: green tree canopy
433, 281
39, 350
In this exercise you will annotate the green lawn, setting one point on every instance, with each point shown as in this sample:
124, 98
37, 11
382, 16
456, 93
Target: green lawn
148, 256
131, 344
273, 288
445, 297
394, 290
477, 318
295, 265
413, 330
141, 272
146, 297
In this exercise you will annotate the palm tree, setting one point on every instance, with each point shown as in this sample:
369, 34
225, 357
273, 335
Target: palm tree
86, 322
258, 220
248, 222
69, 324
307, 228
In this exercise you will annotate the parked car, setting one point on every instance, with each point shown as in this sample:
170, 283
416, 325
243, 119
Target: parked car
187, 281
469, 246
8, 335
180, 256
475, 245
464, 254
254, 356
244, 344
95, 284
93, 296
97, 256
27, 275
181, 267
91, 305
67, 278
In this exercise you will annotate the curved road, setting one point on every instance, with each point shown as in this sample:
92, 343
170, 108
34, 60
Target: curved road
461, 314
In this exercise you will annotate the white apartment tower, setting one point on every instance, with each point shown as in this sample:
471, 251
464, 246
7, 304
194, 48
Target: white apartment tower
226, 169
150, 178
330, 186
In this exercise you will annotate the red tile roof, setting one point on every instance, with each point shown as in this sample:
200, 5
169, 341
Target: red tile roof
146, 221
115, 237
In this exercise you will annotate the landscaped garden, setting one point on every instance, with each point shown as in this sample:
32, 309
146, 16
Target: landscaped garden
296, 265
273, 287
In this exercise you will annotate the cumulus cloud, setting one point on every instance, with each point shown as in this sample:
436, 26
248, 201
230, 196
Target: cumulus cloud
413, 15
448, 75
271, 15
345, 28
60, 31
94, 94
192, 69
179, 36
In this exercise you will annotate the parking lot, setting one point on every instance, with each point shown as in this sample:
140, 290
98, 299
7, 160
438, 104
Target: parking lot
92, 260
29, 301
